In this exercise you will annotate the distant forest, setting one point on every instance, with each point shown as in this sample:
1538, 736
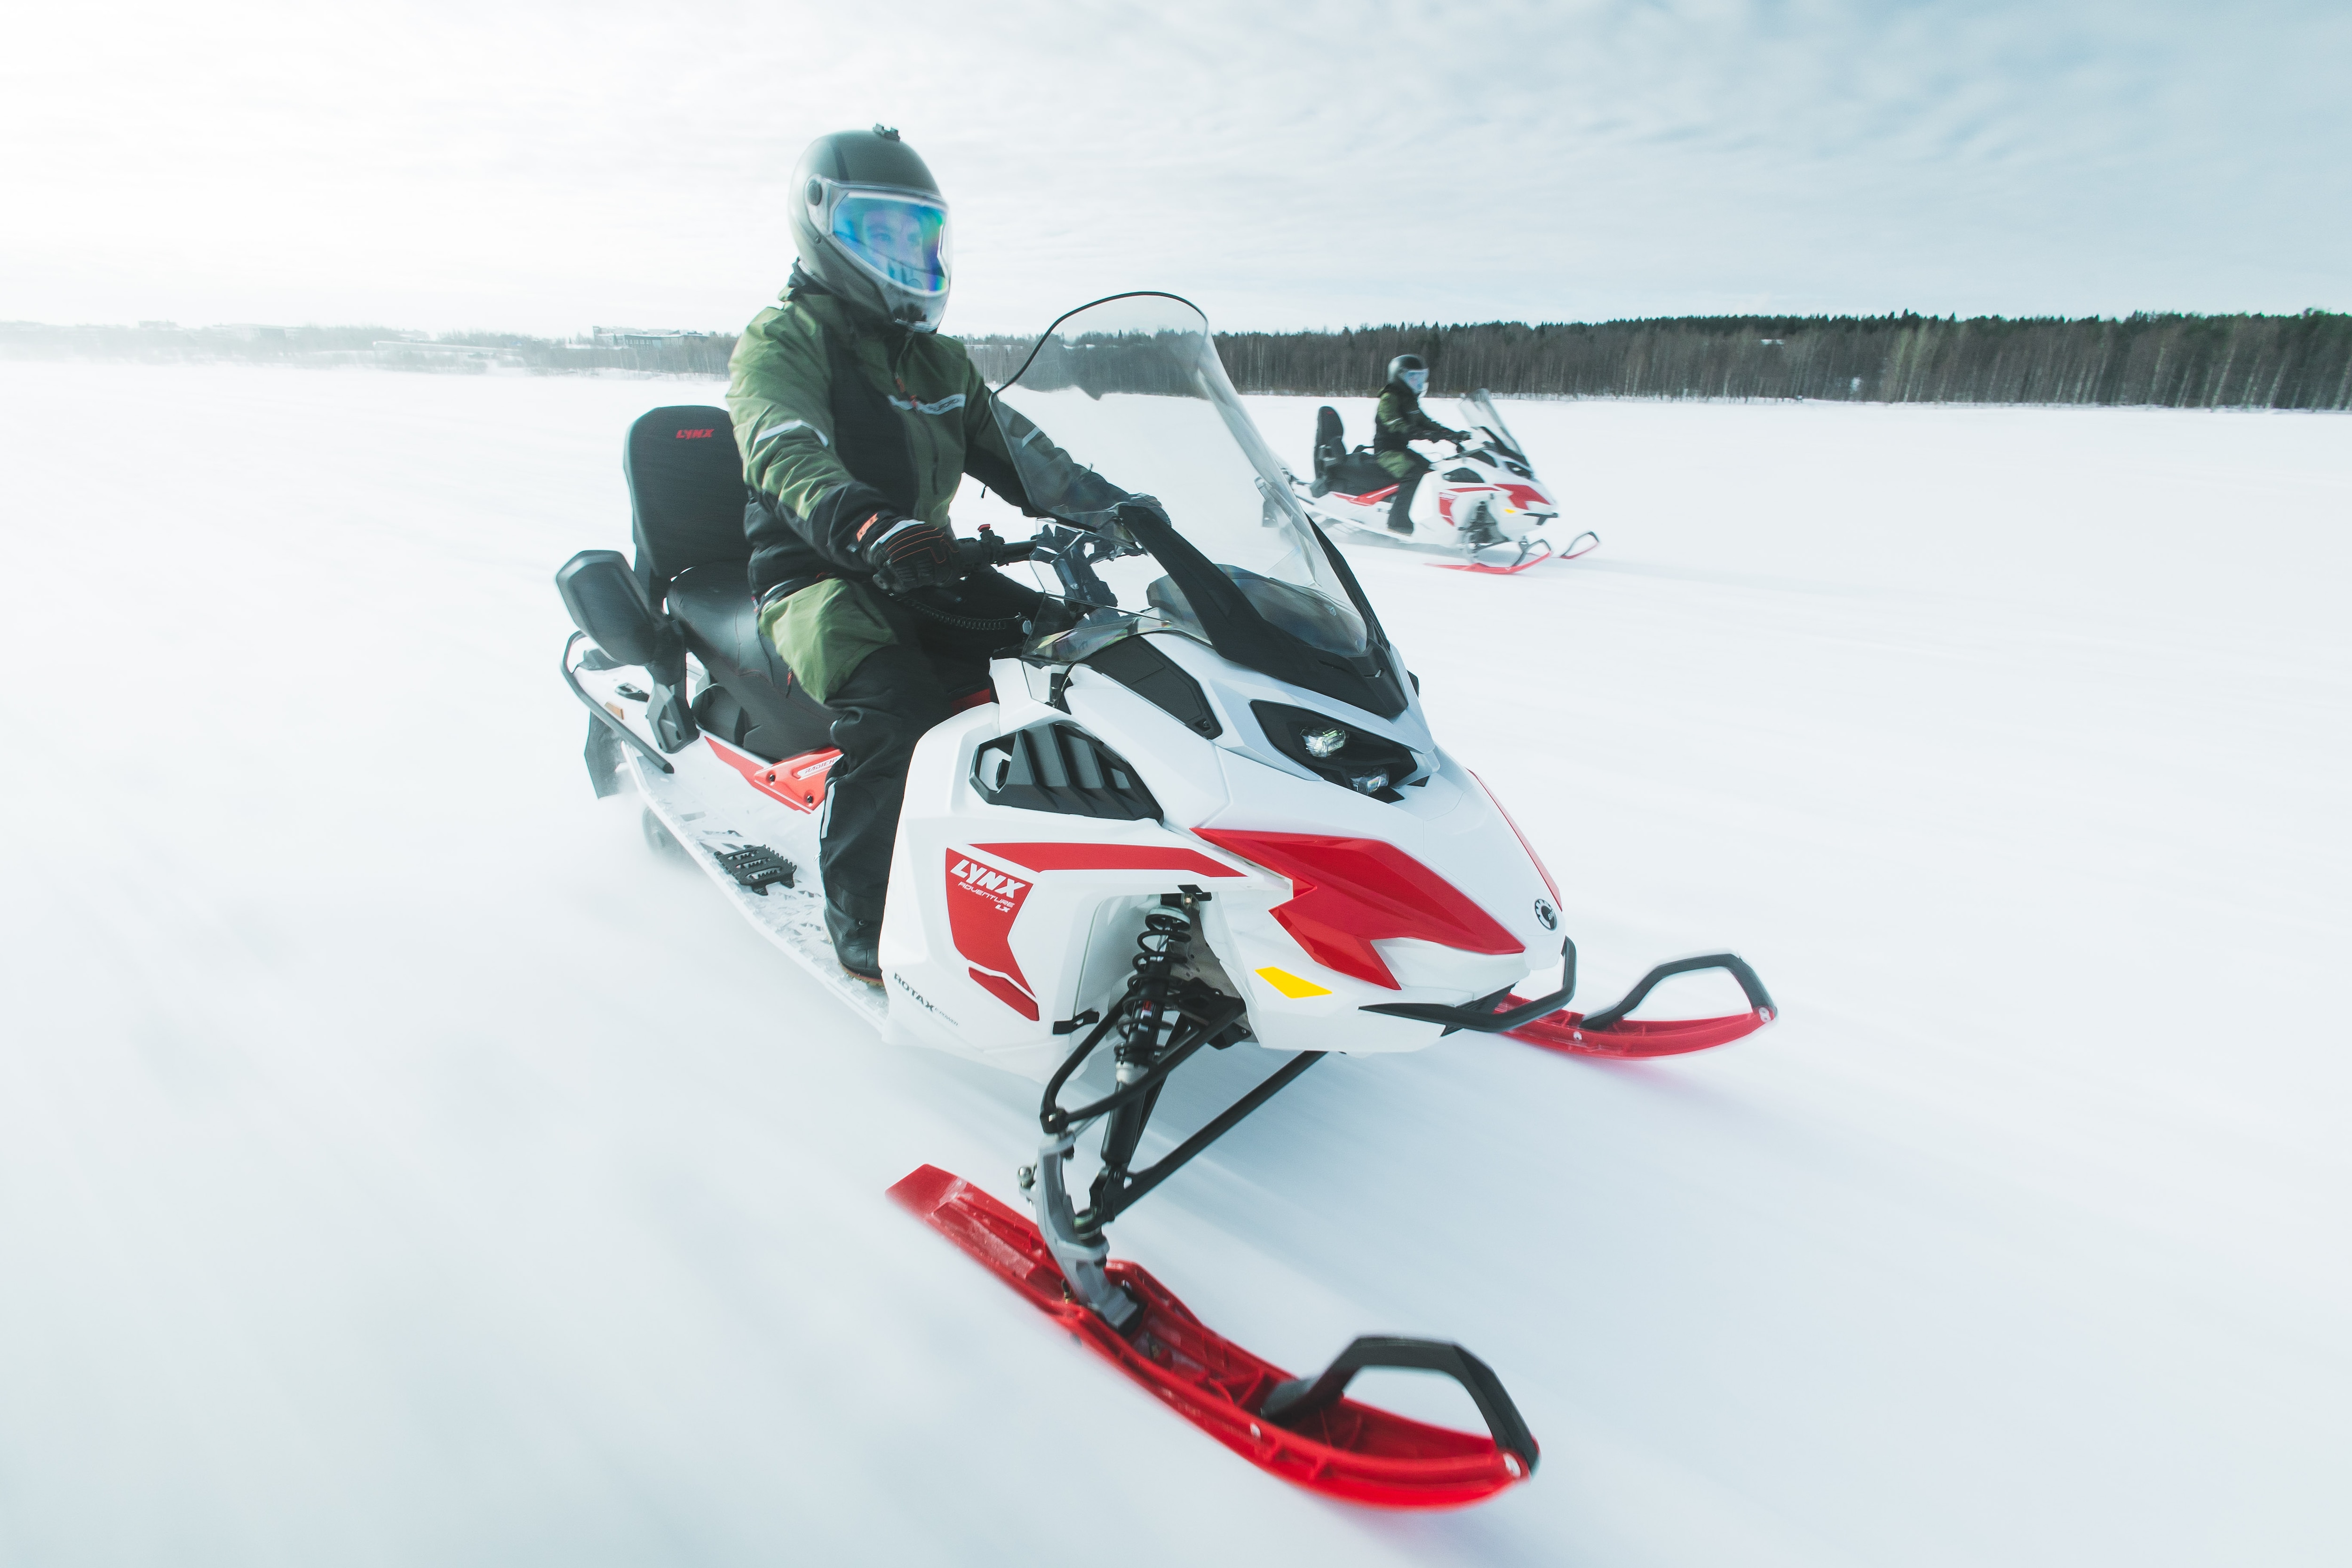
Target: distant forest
2172, 360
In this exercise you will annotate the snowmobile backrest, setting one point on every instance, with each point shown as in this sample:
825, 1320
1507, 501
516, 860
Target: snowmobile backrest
686, 493
1330, 439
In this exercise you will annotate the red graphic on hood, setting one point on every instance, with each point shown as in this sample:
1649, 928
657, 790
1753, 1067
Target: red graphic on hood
983, 904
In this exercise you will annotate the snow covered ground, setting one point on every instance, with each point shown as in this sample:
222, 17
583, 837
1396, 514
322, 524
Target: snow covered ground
399, 1165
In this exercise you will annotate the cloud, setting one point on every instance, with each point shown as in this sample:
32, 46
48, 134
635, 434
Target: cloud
545, 166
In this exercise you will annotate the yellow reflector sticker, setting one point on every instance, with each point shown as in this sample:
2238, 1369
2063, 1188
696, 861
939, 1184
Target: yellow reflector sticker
1290, 986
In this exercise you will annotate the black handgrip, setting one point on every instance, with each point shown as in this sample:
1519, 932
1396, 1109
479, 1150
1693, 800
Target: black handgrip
988, 550
1294, 1401
1729, 962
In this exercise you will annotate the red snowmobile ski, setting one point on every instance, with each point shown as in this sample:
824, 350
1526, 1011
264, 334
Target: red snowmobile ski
1301, 1429
1584, 543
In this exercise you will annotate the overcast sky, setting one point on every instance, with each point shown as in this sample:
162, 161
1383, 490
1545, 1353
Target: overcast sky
546, 167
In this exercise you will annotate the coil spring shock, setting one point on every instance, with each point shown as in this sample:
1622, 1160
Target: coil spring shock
1163, 944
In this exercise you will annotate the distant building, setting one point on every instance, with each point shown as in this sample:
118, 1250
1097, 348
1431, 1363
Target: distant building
640, 338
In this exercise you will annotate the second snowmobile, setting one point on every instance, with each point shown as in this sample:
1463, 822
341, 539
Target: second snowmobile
1210, 814
1484, 504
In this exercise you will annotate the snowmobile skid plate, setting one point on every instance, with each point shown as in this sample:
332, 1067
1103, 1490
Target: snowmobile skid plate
1589, 541
1324, 1443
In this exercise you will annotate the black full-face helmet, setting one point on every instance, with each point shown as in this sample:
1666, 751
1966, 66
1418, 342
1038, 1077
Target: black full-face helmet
1408, 372
870, 225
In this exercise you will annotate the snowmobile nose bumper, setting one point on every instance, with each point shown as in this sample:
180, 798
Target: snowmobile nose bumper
1608, 1033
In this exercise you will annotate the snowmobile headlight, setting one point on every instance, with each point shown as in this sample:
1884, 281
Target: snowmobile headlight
1362, 759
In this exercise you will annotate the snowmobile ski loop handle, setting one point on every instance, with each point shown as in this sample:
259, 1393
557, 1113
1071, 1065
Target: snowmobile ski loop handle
603, 716
1302, 1398
1731, 963
1477, 1017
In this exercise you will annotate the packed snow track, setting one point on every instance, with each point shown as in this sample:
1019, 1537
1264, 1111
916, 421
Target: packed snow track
400, 1164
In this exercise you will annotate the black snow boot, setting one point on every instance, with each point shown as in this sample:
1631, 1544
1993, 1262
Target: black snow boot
857, 944
1401, 509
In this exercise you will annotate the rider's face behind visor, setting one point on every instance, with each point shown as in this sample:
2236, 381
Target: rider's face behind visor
1417, 381
900, 239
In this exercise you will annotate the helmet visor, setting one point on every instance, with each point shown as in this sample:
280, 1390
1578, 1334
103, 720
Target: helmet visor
1417, 380
901, 239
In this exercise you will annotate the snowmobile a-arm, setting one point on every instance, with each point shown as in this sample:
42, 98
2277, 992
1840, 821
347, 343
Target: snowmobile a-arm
1608, 1033
1209, 1018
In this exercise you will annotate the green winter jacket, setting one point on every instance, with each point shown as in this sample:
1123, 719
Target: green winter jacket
1398, 420
838, 417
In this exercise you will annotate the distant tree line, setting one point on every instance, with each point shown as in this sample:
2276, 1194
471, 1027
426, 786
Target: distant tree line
2173, 360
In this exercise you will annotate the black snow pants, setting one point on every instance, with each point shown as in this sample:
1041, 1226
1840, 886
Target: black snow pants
887, 703
1401, 508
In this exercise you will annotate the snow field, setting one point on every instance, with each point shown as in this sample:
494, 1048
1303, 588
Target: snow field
400, 1165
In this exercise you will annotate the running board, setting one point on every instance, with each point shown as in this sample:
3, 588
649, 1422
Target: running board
1300, 1429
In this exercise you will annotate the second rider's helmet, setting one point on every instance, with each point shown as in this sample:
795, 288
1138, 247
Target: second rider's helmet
1408, 372
870, 225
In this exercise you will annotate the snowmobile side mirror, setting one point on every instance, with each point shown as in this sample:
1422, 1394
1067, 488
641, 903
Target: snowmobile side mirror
608, 603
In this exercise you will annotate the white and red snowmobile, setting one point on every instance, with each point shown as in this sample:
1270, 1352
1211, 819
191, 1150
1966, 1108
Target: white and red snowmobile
1483, 503
1209, 814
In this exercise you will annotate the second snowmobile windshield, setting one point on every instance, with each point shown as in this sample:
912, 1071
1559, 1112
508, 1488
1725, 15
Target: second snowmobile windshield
1132, 387
1480, 408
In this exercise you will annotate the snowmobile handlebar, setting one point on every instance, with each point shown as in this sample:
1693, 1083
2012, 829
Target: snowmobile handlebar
1301, 1398
989, 550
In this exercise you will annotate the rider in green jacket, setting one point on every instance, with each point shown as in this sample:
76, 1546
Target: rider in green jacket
1397, 420
858, 420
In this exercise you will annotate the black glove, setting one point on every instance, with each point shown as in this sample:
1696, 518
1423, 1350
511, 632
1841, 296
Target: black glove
907, 555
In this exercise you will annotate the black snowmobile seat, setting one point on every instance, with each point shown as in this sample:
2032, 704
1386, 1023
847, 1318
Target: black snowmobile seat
685, 504
1337, 468
775, 716
1357, 474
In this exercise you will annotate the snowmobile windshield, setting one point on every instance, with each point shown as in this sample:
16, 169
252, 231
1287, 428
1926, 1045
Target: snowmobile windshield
1187, 522
1479, 409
